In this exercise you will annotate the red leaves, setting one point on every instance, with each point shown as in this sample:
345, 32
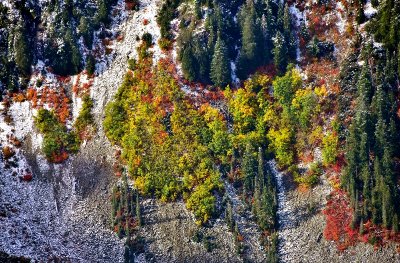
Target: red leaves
27, 177
130, 4
338, 228
338, 220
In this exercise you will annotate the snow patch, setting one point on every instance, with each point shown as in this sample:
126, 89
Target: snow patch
369, 10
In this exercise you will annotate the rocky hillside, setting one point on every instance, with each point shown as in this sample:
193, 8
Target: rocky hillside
240, 174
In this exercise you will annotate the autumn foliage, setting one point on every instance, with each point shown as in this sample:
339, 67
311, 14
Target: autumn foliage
338, 220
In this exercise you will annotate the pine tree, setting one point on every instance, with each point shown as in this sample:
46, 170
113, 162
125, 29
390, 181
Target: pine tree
366, 175
287, 21
249, 53
376, 195
230, 221
138, 211
202, 57
266, 44
280, 53
86, 31
23, 53
90, 64
261, 167
249, 168
360, 12
220, 68
102, 13
395, 226
188, 63
197, 9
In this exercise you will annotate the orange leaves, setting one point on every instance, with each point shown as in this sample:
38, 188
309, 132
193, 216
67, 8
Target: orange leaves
19, 97
59, 157
30, 93
8, 152
55, 99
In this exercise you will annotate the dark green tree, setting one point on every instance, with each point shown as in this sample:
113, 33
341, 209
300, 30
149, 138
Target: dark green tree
249, 168
23, 51
220, 72
280, 53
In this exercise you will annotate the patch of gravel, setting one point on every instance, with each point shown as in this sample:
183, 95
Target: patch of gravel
168, 232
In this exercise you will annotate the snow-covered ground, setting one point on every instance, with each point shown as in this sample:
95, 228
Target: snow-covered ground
369, 10
286, 215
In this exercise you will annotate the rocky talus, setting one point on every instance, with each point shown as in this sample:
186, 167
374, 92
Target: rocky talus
301, 226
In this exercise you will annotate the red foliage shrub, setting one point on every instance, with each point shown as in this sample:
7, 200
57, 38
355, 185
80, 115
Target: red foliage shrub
27, 177
338, 220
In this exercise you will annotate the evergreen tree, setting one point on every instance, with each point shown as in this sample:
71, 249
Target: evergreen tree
249, 168
266, 44
86, 31
220, 67
138, 211
280, 53
203, 59
249, 53
189, 63
261, 167
230, 221
23, 52
360, 18
90, 64
102, 12
376, 195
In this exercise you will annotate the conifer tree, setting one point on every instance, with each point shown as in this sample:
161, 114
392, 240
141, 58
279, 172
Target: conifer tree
376, 195
230, 221
280, 52
23, 53
188, 63
90, 64
261, 167
102, 13
249, 168
138, 211
249, 53
360, 18
220, 68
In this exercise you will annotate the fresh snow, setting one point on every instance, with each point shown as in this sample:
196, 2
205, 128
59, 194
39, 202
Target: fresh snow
234, 77
341, 22
369, 10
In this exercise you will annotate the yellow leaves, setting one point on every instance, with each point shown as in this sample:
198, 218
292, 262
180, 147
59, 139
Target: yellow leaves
262, 80
316, 136
210, 113
140, 183
321, 91
296, 78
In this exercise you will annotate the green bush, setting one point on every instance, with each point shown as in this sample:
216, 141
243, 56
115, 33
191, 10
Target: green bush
58, 142
85, 117
147, 38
